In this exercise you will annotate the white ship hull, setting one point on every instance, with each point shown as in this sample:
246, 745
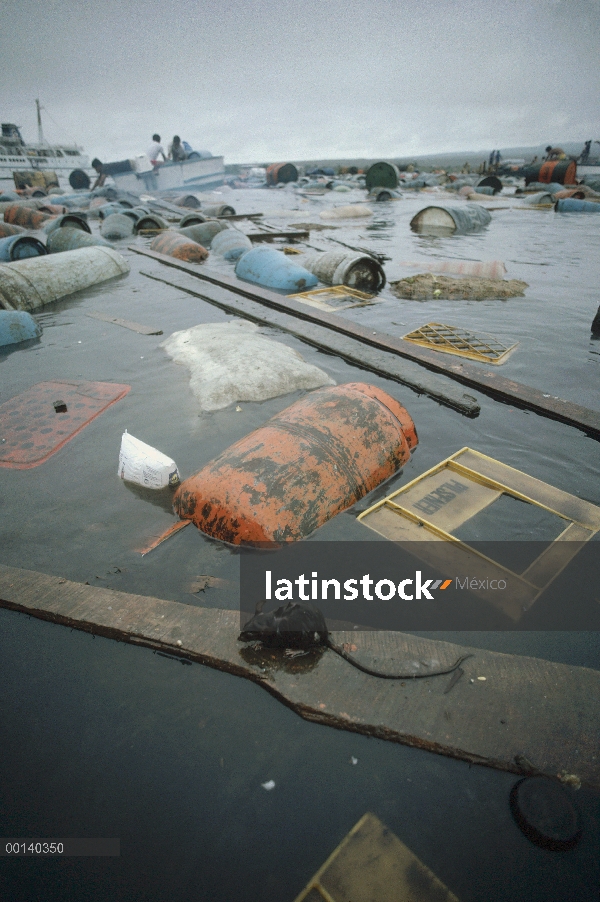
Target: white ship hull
62, 161
587, 169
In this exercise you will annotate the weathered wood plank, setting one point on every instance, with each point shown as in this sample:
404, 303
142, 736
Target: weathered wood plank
127, 324
492, 383
238, 216
547, 712
269, 236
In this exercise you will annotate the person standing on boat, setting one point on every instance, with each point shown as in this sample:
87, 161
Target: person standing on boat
155, 151
585, 153
97, 165
176, 150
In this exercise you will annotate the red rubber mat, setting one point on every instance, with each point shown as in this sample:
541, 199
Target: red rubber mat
32, 430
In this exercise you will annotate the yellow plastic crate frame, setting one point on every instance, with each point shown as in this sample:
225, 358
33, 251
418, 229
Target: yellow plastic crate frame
318, 297
476, 482
372, 863
461, 342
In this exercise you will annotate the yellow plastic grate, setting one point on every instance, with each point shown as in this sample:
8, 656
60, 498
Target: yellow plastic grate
336, 297
454, 340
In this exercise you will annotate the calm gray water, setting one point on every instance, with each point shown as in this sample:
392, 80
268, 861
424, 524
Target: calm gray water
101, 739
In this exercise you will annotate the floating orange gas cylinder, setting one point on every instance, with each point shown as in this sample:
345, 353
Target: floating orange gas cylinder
177, 245
308, 463
21, 215
7, 228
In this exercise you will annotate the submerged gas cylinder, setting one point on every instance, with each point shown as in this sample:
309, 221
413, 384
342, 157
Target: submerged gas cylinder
69, 221
20, 247
174, 244
203, 232
218, 210
19, 214
116, 226
151, 222
572, 205
29, 284
356, 270
231, 244
447, 219
308, 463
7, 228
272, 269
190, 219
17, 326
68, 239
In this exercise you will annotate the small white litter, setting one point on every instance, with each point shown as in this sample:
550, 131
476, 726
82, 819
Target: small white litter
353, 760
269, 785
232, 362
144, 465
352, 211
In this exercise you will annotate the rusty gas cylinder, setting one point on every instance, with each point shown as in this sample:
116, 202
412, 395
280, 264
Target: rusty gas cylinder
304, 466
24, 216
174, 244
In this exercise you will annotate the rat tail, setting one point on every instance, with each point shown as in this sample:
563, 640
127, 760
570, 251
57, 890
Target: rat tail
393, 676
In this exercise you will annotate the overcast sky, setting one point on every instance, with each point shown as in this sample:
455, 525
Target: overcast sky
267, 80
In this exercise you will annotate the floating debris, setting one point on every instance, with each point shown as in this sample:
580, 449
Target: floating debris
269, 785
352, 211
425, 287
491, 269
233, 362
569, 779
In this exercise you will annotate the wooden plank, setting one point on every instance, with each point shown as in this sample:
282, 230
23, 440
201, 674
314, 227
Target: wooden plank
549, 713
237, 216
127, 324
269, 236
499, 387
577, 509
385, 364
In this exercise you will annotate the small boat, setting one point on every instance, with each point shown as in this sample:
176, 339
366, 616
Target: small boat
200, 171
17, 155
592, 168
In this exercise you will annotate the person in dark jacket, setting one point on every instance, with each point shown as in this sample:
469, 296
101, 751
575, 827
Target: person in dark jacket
176, 151
97, 165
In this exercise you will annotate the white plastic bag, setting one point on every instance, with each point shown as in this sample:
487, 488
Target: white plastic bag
144, 465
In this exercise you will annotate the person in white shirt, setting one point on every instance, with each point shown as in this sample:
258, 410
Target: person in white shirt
155, 151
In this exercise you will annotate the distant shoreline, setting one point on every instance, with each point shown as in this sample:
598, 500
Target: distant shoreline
425, 161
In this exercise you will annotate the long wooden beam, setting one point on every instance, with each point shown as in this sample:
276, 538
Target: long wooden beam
510, 712
507, 390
